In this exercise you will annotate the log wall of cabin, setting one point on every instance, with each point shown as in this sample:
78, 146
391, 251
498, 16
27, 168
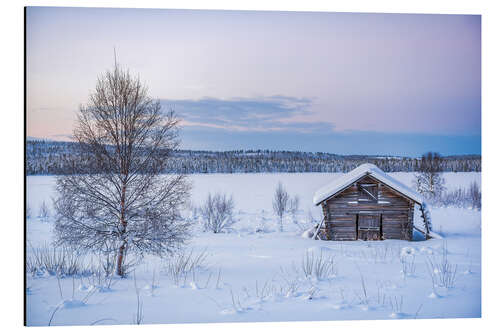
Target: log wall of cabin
394, 210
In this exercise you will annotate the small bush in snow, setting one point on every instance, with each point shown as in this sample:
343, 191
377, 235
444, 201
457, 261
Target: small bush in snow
475, 195
59, 261
44, 212
217, 212
319, 267
472, 198
261, 223
281, 203
443, 273
461, 197
396, 306
383, 253
407, 260
183, 264
64, 261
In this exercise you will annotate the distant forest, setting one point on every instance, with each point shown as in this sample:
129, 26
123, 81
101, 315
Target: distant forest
55, 158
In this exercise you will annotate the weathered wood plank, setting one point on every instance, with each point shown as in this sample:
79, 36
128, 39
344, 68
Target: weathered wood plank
342, 229
341, 224
338, 217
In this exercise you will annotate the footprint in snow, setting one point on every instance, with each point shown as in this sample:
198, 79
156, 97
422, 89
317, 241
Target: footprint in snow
71, 303
260, 256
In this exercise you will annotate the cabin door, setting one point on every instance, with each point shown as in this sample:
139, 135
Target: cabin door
369, 227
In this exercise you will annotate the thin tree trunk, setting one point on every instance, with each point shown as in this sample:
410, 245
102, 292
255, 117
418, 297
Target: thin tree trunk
121, 250
119, 263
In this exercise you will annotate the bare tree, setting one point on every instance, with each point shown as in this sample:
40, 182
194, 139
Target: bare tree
293, 208
474, 194
119, 201
217, 212
280, 203
428, 179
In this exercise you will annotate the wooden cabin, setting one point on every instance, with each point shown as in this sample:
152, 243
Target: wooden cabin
367, 204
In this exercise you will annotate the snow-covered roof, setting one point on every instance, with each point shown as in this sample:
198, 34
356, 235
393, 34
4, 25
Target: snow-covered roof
347, 179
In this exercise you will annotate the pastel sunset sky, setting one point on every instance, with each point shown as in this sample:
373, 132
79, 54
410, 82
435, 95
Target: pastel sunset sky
346, 83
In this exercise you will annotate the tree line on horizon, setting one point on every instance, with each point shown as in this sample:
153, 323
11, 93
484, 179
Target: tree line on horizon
57, 158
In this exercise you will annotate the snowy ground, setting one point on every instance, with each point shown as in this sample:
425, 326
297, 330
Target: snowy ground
259, 276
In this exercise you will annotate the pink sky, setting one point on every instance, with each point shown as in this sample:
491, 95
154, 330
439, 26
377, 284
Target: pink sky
385, 73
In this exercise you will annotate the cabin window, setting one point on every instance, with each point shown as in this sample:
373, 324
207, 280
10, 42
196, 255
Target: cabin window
367, 193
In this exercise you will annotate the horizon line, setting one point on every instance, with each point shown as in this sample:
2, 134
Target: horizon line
34, 139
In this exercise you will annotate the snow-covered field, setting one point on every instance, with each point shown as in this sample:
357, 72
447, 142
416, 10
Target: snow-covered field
256, 273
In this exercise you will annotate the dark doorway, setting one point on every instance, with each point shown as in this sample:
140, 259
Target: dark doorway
369, 227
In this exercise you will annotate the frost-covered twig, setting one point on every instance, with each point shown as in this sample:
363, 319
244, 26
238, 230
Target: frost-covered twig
363, 285
53, 314
445, 271
218, 279
208, 280
101, 320
59, 285
138, 316
418, 311
182, 264
235, 302
320, 267
396, 304
408, 265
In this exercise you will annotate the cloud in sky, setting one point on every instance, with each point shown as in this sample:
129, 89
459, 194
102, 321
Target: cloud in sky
281, 123
267, 114
352, 142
